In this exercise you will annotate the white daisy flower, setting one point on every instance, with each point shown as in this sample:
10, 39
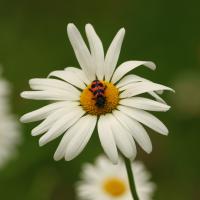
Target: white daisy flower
105, 181
99, 94
9, 128
4, 93
9, 138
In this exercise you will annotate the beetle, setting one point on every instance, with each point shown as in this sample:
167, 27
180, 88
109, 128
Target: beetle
98, 90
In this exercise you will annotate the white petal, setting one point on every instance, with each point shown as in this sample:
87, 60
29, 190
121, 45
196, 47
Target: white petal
107, 139
136, 129
48, 84
160, 92
81, 138
125, 67
82, 53
61, 125
145, 118
53, 95
43, 112
69, 77
131, 78
89, 173
48, 122
96, 49
144, 104
60, 151
79, 73
157, 97
71, 132
141, 87
123, 139
113, 54
102, 163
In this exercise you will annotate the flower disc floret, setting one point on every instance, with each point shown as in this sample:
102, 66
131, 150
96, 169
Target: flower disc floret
88, 100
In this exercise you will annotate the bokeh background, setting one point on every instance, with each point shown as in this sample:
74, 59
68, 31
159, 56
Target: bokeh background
33, 42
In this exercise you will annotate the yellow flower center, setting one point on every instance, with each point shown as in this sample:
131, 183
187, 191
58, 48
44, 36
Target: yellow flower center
98, 100
114, 187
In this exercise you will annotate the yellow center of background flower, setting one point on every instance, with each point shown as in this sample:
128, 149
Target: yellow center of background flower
88, 101
114, 187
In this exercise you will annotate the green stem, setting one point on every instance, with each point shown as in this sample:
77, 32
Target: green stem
131, 179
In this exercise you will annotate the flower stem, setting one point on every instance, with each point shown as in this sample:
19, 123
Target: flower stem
131, 179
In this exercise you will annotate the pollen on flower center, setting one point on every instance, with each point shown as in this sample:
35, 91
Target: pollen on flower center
99, 97
114, 187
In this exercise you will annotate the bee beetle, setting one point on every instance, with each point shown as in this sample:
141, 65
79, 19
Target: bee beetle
98, 90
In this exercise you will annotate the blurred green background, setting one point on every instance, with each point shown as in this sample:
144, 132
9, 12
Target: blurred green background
33, 42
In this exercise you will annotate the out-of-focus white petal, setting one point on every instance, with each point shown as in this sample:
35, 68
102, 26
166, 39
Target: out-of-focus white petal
89, 173
81, 51
107, 139
43, 112
145, 118
81, 138
96, 48
144, 187
10, 133
136, 130
141, 87
144, 104
112, 54
61, 125
127, 66
123, 138
69, 77
10, 137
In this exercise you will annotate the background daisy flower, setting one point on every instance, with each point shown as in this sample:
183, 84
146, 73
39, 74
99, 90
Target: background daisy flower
9, 128
105, 181
99, 94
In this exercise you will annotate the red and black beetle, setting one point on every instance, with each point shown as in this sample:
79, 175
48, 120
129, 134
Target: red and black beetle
98, 90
